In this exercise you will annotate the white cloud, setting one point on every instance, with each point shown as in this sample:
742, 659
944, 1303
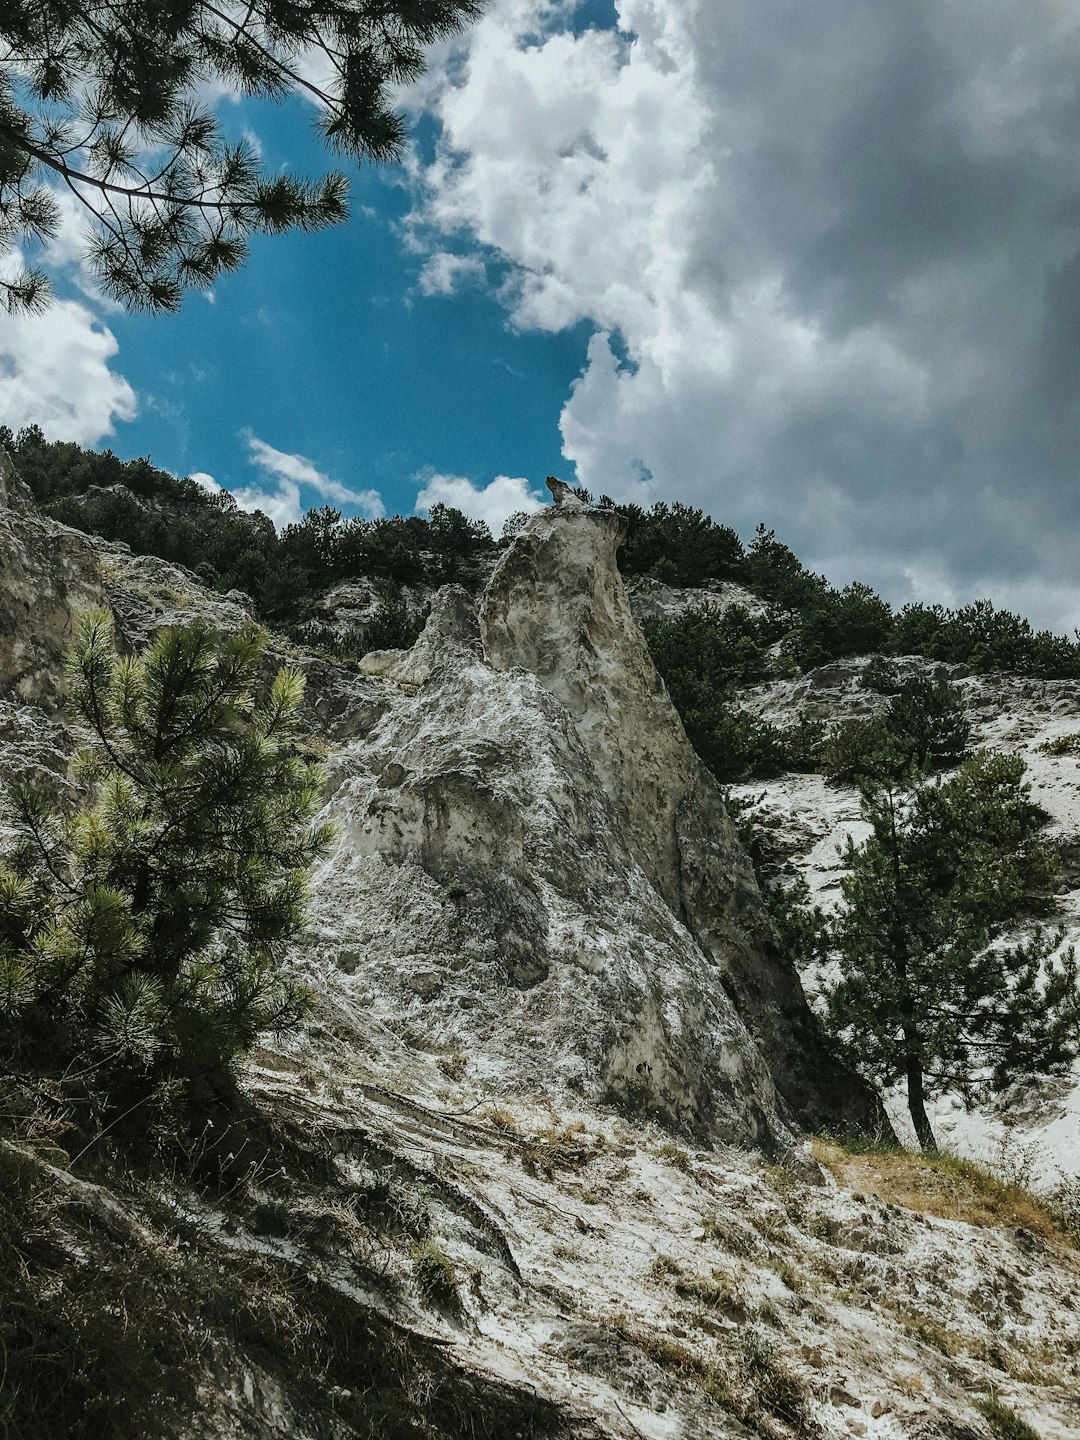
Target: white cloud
285, 504
831, 265
55, 368
281, 505
444, 274
493, 503
206, 481
55, 372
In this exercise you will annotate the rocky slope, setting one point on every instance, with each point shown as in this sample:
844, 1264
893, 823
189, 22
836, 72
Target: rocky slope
537, 1166
805, 823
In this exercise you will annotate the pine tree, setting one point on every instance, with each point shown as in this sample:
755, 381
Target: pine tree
928, 720
103, 99
926, 992
924, 728
144, 927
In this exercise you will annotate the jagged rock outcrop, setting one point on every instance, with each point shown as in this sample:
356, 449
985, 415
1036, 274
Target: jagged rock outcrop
649, 596
557, 607
535, 866
47, 573
532, 865
481, 888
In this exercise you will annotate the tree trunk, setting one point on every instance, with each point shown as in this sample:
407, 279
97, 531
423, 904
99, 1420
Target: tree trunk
916, 1105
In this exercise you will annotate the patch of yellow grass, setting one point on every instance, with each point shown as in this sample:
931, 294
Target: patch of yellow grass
942, 1185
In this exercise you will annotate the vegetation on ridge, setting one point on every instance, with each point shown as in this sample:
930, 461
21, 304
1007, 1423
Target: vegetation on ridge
809, 621
705, 655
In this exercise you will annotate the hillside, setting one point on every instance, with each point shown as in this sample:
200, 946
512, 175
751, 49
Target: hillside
541, 1163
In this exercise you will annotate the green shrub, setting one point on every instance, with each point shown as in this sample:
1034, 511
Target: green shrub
392, 625
920, 990
775, 572
1005, 1423
1062, 744
734, 744
799, 924
802, 744
704, 656
985, 639
852, 621
270, 1217
177, 519
159, 514
724, 647
923, 729
863, 750
435, 1276
880, 675
678, 545
145, 926
927, 719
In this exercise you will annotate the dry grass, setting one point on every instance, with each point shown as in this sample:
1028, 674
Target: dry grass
500, 1118
454, 1065
1004, 1422
746, 1379
717, 1290
942, 1185
674, 1155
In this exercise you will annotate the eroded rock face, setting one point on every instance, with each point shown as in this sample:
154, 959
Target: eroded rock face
47, 574
482, 892
557, 606
532, 865
489, 894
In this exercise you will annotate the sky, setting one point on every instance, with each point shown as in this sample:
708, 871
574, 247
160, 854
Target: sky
809, 262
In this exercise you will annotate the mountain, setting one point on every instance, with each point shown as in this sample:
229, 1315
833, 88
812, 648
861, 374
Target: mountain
540, 1164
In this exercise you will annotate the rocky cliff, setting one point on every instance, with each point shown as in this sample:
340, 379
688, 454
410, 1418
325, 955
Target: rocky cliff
537, 1166
556, 606
534, 865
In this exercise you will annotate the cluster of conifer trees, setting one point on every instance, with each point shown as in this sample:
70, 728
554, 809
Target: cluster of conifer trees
157, 513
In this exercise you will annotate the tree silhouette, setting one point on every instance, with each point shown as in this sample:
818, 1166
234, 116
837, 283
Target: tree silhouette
106, 100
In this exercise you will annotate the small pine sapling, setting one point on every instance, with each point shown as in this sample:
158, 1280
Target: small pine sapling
143, 928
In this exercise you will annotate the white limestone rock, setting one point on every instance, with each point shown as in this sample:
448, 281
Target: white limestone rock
477, 848
557, 607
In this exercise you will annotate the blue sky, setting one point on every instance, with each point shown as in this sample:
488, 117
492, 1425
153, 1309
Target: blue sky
323, 345
812, 262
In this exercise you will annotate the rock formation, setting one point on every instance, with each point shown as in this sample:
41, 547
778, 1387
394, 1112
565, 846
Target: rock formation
534, 864
551, 1041
557, 607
